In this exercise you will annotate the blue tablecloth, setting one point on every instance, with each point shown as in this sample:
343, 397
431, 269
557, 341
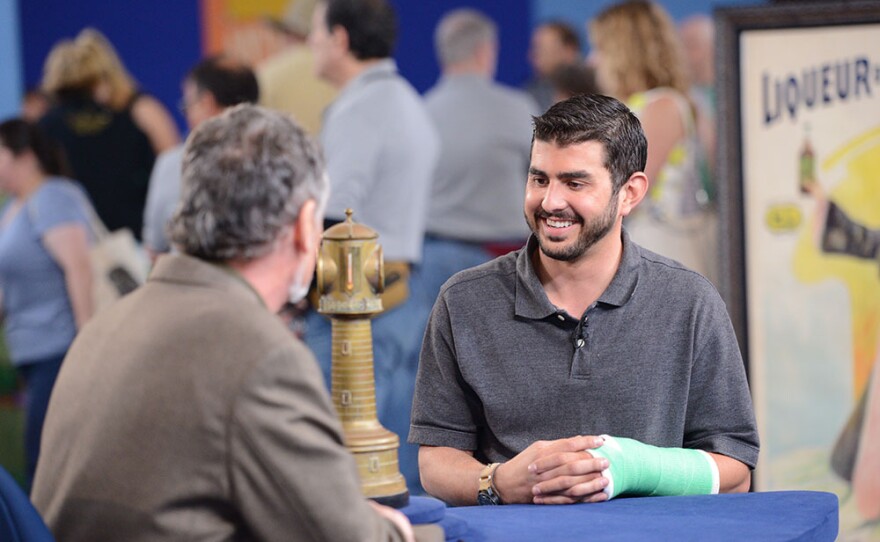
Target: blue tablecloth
780, 515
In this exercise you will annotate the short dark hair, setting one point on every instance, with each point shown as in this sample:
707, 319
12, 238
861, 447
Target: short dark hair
21, 136
371, 26
230, 82
594, 117
567, 34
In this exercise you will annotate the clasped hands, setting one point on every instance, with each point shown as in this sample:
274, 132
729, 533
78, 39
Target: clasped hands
554, 472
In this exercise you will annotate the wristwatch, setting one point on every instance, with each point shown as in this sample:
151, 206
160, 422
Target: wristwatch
488, 494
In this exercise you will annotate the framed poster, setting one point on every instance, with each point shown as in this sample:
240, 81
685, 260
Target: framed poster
799, 186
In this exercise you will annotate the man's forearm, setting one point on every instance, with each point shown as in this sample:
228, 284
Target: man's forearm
450, 474
733, 476
454, 475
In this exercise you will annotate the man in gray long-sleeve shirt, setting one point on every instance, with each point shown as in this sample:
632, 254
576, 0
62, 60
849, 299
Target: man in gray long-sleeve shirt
381, 149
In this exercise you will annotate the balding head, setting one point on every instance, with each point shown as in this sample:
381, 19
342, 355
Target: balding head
465, 37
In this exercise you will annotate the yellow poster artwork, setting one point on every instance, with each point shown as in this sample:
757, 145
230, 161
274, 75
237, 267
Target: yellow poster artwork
811, 206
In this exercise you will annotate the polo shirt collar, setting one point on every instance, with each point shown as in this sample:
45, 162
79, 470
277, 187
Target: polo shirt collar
626, 280
385, 68
464, 80
381, 69
531, 301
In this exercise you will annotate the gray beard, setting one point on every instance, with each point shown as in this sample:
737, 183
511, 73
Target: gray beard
298, 289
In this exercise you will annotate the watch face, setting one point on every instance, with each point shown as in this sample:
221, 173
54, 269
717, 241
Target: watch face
487, 498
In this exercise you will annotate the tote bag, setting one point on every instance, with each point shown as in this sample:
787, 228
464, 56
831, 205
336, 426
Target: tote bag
119, 264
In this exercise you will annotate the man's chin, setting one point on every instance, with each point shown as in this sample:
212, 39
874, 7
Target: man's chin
558, 255
553, 248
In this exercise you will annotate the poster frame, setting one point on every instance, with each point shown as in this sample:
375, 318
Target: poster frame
730, 23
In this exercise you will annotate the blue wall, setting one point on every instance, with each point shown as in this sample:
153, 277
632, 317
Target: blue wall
417, 19
159, 40
10, 60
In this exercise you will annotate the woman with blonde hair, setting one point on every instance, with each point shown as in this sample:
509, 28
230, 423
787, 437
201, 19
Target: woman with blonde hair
117, 86
90, 61
638, 59
110, 131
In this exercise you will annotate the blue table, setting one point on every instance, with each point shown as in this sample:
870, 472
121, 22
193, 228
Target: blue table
780, 515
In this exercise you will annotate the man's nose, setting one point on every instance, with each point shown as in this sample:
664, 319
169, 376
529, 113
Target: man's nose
554, 197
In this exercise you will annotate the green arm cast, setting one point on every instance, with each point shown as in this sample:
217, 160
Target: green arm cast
641, 469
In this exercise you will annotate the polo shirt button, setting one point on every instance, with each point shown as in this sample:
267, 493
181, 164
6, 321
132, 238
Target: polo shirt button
560, 317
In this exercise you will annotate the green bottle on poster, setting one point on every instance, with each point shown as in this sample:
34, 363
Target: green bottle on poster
807, 164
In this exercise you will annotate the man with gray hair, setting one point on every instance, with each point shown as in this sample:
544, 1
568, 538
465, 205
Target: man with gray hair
477, 195
187, 411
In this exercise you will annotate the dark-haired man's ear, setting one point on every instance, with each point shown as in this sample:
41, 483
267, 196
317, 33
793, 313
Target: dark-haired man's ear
340, 37
632, 192
210, 102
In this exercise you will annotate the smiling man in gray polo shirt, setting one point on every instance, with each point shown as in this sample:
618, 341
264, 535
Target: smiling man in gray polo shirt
529, 359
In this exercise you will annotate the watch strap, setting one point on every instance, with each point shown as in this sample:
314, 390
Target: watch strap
488, 493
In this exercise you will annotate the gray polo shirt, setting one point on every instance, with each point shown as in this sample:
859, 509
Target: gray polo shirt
485, 140
501, 367
381, 149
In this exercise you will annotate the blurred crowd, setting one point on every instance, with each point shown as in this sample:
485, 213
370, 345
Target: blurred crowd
439, 176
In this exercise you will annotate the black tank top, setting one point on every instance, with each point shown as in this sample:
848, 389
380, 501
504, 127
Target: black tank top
109, 155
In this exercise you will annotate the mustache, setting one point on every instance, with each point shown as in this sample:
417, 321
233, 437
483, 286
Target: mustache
543, 214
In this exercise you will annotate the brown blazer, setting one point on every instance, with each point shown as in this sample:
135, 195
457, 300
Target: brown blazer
187, 411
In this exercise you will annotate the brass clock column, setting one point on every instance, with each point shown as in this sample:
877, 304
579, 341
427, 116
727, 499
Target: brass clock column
350, 275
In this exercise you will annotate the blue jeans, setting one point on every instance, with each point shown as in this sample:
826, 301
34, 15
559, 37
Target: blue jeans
39, 379
397, 341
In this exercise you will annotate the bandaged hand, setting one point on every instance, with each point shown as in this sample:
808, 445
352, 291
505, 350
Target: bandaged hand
635, 468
